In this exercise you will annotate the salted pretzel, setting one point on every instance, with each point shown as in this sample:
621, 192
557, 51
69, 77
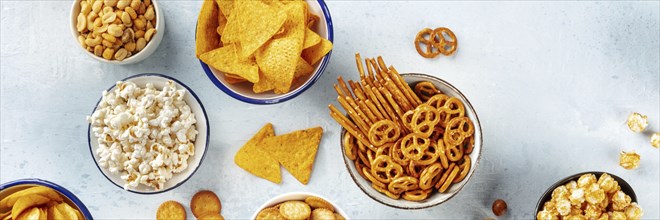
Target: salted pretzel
424, 120
406, 119
446, 46
384, 190
416, 195
457, 130
430, 176
372, 178
385, 170
425, 90
413, 146
403, 184
425, 38
383, 131
465, 169
397, 154
454, 152
350, 148
413, 169
438, 100
442, 155
452, 108
430, 155
450, 178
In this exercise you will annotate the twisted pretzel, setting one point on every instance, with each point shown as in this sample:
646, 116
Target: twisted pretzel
452, 108
383, 131
414, 169
426, 38
413, 146
457, 130
350, 147
416, 195
465, 169
430, 155
385, 170
430, 176
425, 90
468, 145
402, 184
424, 120
446, 46
442, 154
384, 190
438, 100
449, 179
406, 119
454, 153
397, 154
371, 178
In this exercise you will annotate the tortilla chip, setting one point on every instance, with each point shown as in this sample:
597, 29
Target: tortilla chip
277, 59
222, 23
311, 20
264, 84
226, 60
302, 68
251, 24
233, 79
256, 161
296, 151
206, 37
316, 53
226, 6
311, 38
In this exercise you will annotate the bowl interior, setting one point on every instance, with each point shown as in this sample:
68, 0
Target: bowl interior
201, 142
547, 195
243, 91
11, 187
295, 196
148, 49
435, 198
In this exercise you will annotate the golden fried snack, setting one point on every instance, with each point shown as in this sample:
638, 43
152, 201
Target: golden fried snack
425, 90
425, 38
204, 202
295, 210
170, 210
446, 46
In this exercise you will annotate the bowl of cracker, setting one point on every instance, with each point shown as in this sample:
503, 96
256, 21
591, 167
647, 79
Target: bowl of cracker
39, 199
299, 205
148, 133
589, 195
409, 141
117, 32
264, 52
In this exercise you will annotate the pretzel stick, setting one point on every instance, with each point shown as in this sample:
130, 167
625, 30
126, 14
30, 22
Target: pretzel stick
357, 119
398, 95
358, 62
393, 103
393, 78
386, 105
381, 64
357, 90
371, 64
348, 125
405, 85
373, 109
366, 109
374, 99
343, 86
363, 111
338, 90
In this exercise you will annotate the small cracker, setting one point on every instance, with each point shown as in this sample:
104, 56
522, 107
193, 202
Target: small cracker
295, 210
211, 216
270, 214
316, 202
322, 214
205, 201
171, 210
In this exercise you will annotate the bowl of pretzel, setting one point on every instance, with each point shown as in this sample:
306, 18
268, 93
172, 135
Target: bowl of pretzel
411, 140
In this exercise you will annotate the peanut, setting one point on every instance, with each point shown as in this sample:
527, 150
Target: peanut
121, 54
98, 50
109, 17
81, 40
93, 41
130, 46
85, 8
122, 4
149, 34
135, 4
108, 53
110, 3
106, 43
96, 7
82, 23
131, 12
126, 18
150, 14
115, 30
141, 43
109, 37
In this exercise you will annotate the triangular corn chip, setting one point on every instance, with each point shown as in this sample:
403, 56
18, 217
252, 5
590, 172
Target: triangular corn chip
296, 151
226, 60
206, 37
256, 161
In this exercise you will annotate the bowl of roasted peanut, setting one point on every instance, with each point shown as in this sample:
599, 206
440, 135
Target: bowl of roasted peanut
409, 141
589, 195
117, 31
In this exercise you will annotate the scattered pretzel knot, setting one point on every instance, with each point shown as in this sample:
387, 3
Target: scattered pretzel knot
431, 43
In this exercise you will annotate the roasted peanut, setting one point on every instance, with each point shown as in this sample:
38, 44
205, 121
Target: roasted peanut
135, 4
85, 8
93, 41
81, 40
115, 30
130, 46
96, 7
140, 44
98, 50
110, 3
108, 53
126, 18
149, 34
109, 37
121, 4
131, 12
82, 23
150, 14
121, 54
139, 34
109, 17
106, 43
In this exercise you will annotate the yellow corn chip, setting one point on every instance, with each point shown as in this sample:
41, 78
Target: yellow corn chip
206, 37
233, 79
311, 38
226, 60
257, 161
226, 6
302, 68
311, 20
316, 53
264, 84
296, 151
252, 23
277, 59
222, 22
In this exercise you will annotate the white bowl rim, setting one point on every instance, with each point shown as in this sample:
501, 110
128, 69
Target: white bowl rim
291, 94
297, 193
63, 191
129, 60
206, 145
467, 178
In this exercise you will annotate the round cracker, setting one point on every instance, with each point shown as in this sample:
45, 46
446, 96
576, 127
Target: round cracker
211, 216
270, 213
171, 210
316, 202
204, 202
322, 214
295, 210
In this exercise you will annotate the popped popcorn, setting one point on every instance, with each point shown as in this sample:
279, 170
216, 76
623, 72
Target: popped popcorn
629, 160
637, 122
145, 135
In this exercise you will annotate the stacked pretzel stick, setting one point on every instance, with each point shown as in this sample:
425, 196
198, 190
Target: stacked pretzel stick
405, 142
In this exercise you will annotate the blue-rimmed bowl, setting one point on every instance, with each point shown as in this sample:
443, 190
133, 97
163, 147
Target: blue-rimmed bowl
243, 91
8, 188
201, 142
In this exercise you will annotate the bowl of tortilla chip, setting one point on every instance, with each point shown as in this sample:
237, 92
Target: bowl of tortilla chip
264, 52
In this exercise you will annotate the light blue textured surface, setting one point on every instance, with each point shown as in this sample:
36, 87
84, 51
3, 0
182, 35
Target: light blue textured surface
552, 84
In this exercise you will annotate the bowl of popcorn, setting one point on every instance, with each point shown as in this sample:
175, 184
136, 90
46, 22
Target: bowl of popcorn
589, 195
148, 133
299, 205
117, 31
